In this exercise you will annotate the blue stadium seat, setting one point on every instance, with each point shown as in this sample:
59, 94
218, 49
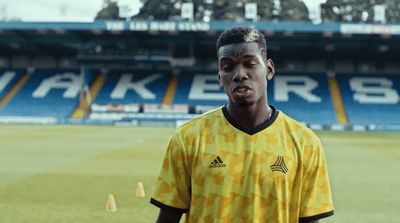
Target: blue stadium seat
47, 93
371, 99
8, 78
199, 88
367, 98
133, 87
303, 96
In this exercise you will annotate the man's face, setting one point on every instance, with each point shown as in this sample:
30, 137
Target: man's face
243, 72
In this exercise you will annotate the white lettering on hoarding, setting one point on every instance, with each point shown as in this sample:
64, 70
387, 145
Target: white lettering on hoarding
373, 90
115, 26
193, 26
6, 78
201, 86
138, 26
302, 86
68, 81
125, 83
162, 26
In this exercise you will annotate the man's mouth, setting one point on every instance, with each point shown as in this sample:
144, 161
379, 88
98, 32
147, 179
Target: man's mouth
241, 88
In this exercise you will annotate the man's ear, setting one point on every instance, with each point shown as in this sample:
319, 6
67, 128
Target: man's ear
270, 69
219, 79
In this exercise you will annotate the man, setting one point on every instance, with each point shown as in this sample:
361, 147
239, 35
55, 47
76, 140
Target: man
246, 161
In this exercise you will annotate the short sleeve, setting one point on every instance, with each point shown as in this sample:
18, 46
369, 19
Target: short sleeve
316, 199
172, 189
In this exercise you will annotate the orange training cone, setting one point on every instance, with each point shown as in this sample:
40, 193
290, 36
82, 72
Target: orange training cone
140, 190
111, 206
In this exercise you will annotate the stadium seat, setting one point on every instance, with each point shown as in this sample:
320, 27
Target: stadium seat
315, 66
8, 79
52, 93
392, 67
366, 67
371, 99
124, 87
303, 96
20, 62
45, 62
4, 62
367, 98
343, 66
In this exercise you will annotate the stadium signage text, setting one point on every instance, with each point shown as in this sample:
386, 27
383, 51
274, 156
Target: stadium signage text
6, 78
369, 29
154, 26
125, 83
206, 87
374, 90
365, 90
301, 86
176, 26
69, 82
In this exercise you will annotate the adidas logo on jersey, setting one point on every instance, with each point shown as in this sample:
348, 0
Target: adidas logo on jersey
217, 163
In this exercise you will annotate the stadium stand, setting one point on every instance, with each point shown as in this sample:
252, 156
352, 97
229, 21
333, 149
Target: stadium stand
165, 72
128, 95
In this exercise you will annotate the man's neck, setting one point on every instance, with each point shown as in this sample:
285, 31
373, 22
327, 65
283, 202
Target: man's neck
249, 116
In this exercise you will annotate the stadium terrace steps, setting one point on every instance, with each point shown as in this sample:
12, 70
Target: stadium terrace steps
337, 101
8, 78
86, 98
171, 90
14, 90
97, 85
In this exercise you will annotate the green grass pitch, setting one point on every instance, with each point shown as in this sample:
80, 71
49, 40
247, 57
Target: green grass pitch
64, 173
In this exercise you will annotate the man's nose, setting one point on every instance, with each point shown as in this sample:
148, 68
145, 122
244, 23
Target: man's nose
240, 74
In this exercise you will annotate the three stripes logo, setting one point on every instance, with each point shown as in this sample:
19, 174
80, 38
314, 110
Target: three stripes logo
217, 163
280, 165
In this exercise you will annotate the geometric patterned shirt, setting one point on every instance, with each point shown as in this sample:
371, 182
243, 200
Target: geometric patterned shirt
215, 171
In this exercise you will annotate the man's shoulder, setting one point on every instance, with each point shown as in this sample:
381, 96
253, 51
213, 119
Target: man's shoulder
201, 120
305, 140
296, 126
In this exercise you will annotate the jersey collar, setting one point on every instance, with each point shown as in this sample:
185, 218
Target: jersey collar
256, 129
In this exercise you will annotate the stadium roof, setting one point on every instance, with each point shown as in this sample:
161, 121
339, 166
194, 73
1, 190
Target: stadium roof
193, 26
71, 39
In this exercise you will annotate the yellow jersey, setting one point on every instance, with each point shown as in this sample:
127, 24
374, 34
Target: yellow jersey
215, 171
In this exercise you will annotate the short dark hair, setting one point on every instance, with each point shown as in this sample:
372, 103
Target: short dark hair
243, 34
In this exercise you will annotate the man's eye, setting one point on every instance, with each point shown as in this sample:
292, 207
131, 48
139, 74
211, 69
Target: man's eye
226, 67
250, 63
